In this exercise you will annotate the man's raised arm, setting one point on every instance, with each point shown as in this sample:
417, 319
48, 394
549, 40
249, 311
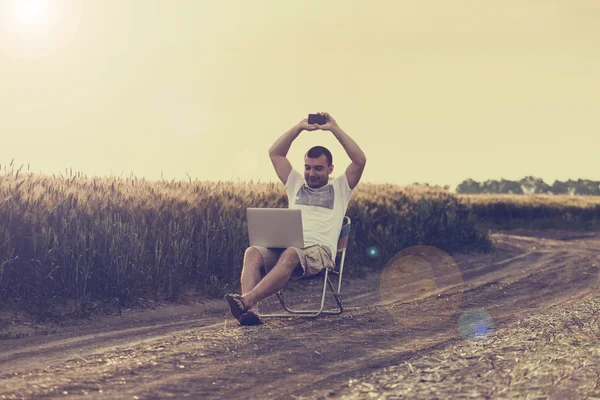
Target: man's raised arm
280, 148
358, 157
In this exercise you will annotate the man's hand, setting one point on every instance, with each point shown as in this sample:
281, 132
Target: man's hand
329, 124
306, 126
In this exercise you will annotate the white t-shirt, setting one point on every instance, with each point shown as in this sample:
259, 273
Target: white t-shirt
323, 209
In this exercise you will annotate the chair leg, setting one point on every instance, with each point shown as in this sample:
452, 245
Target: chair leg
337, 296
311, 313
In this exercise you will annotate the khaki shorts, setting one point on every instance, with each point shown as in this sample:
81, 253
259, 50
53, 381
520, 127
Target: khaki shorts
313, 259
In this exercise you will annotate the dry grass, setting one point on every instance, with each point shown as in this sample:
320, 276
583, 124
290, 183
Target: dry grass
535, 210
118, 240
77, 240
533, 199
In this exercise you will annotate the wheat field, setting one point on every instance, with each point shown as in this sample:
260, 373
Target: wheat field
90, 240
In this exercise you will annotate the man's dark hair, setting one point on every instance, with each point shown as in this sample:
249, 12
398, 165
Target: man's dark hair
318, 151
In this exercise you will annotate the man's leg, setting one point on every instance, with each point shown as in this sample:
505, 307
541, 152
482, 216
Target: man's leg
251, 272
275, 280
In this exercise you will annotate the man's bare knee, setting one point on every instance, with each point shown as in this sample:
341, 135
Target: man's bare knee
253, 258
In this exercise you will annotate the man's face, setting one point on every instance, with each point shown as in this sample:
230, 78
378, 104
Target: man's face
316, 171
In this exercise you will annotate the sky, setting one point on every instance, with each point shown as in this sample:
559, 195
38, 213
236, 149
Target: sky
433, 91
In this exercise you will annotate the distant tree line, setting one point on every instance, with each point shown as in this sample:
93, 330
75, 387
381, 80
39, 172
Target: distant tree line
531, 185
445, 187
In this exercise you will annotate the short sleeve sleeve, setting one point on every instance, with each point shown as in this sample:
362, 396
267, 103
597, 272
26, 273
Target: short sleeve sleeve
343, 188
292, 183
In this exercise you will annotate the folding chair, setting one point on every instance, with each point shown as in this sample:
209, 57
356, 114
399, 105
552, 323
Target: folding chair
339, 270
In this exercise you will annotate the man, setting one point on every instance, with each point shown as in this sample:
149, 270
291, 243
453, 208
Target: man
266, 270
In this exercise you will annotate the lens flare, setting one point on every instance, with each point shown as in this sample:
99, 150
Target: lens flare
424, 286
372, 252
475, 325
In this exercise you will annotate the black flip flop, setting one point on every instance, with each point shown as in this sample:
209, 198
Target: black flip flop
234, 301
251, 318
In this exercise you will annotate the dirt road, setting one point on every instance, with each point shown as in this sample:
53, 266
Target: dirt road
199, 351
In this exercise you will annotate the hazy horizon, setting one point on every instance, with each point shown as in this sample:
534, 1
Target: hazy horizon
432, 92
69, 172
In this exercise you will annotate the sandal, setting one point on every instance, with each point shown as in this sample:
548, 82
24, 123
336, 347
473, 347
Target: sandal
251, 318
236, 304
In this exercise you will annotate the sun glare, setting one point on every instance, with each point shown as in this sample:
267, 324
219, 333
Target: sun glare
32, 28
30, 13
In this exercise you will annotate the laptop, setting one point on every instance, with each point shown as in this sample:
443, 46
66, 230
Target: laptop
275, 227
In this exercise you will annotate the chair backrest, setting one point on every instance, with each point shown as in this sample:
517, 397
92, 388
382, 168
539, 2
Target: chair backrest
343, 240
